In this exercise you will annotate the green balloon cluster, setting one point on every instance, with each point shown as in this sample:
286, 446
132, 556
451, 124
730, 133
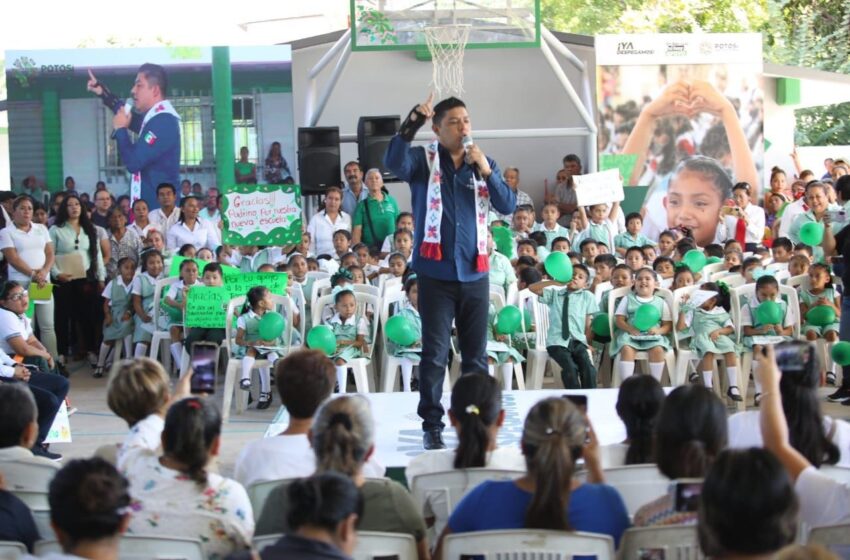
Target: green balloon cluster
811, 233
841, 353
601, 327
321, 337
271, 325
509, 320
820, 316
769, 313
695, 260
559, 267
646, 317
400, 330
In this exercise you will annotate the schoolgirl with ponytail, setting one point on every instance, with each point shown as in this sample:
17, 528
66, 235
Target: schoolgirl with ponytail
547, 497
175, 494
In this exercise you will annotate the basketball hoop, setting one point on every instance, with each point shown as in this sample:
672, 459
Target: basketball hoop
446, 43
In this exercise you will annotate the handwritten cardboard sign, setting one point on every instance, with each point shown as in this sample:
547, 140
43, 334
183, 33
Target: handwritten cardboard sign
599, 188
206, 306
261, 214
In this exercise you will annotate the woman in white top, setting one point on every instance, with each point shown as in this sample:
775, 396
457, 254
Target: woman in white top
326, 222
175, 495
89, 510
28, 249
821, 440
141, 221
823, 500
16, 333
476, 414
744, 219
191, 229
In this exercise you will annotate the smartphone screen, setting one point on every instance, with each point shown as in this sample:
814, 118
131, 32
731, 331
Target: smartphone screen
796, 358
580, 401
687, 495
203, 367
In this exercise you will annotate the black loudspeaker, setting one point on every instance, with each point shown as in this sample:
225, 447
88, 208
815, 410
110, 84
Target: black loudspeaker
373, 137
318, 159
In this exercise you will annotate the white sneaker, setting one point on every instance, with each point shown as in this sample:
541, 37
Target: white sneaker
91, 358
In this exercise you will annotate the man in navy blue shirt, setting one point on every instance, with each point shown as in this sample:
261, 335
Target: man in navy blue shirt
155, 156
450, 183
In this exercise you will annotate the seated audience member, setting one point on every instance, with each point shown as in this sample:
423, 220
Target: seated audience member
747, 507
343, 438
16, 520
822, 440
553, 439
89, 510
689, 433
304, 380
476, 414
638, 404
823, 500
19, 429
139, 393
48, 391
175, 495
326, 510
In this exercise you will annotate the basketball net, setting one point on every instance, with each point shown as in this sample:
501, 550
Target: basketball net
446, 43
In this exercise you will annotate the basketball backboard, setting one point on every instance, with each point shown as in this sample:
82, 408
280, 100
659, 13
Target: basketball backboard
399, 24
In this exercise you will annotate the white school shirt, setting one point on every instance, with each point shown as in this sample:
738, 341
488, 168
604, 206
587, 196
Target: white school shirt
30, 246
204, 235
623, 308
284, 456
12, 326
177, 287
362, 324
164, 222
755, 225
137, 282
143, 232
823, 500
790, 214
7, 369
107, 291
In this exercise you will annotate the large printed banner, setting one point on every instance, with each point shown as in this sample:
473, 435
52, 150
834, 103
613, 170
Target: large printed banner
683, 115
261, 214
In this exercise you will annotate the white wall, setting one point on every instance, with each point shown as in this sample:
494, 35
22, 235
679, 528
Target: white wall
504, 88
80, 142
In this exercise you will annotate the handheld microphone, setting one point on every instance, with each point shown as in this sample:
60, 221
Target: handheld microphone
467, 142
128, 106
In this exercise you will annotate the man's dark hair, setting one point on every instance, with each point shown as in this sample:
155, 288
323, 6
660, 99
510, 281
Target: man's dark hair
17, 411
444, 106
304, 380
353, 162
155, 75
842, 187
161, 186
571, 158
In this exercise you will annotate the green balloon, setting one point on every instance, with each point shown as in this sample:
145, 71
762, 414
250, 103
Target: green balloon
820, 316
713, 260
321, 337
175, 315
509, 320
601, 327
769, 313
841, 353
400, 330
559, 267
271, 325
504, 240
646, 317
811, 233
695, 259
527, 319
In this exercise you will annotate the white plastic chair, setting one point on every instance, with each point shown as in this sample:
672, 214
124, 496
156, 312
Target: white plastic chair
29, 482
259, 492
442, 491
499, 293
10, 550
637, 484
719, 275
389, 282
537, 357
318, 290
363, 380
528, 544
799, 281
600, 290
142, 547
733, 280
234, 365
260, 542
374, 545
674, 541
159, 336
710, 269
685, 356
498, 302
366, 289
830, 536
512, 294
669, 357
389, 363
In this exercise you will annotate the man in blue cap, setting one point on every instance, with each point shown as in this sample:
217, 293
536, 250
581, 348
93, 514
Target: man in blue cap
155, 156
